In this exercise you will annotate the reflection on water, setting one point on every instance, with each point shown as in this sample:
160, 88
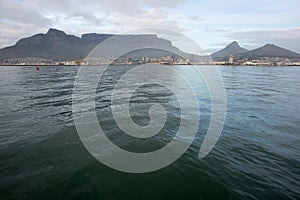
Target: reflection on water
257, 156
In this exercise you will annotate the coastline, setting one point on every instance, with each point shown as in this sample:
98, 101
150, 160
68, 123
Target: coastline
70, 65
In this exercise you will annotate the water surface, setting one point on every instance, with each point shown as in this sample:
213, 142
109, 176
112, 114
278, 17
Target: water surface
256, 157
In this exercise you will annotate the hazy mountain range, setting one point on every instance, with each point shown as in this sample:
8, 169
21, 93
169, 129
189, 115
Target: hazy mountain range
56, 45
268, 50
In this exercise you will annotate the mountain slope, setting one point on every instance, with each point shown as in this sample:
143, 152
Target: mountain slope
269, 50
56, 45
233, 48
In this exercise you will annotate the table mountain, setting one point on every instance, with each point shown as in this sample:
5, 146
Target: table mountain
56, 45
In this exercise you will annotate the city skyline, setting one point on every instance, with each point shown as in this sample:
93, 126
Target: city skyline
211, 24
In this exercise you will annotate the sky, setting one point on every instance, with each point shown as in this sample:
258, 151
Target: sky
212, 24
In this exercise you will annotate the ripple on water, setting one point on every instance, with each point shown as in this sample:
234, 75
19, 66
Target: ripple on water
257, 156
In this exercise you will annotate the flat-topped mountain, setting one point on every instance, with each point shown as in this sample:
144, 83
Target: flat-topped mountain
56, 45
231, 49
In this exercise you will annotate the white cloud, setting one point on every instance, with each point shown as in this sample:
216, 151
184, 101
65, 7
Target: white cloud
20, 12
20, 18
157, 18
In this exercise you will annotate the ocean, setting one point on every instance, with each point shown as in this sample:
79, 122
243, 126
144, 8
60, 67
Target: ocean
257, 155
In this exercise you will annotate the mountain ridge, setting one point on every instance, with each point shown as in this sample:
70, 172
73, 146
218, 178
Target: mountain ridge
231, 49
56, 45
268, 50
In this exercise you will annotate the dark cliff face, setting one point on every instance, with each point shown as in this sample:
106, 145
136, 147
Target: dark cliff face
56, 45
90, 38
231, 49
52, 38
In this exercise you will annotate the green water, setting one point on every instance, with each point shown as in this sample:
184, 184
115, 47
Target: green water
256, 157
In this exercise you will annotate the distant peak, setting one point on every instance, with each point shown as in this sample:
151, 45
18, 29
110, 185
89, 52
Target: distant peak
234, 43
231, 49
55, 32
269, 45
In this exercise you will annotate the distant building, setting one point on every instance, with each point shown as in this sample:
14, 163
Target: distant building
231, 58
145, 59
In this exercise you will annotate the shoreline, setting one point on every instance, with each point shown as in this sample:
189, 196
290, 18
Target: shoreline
54, 65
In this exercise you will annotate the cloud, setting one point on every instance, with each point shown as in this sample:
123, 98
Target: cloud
195, 18
164, 3
217, 30
23, 18
157, 18
19, 20
20, 12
